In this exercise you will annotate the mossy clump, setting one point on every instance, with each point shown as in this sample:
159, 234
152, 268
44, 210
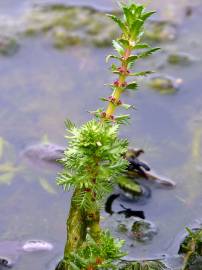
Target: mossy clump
161, 31
191, 248
143, 230
164, 84
144, 265
8, 45
179, 59
71, 25
62, 38
122, 228
66, 25
132, 229
129, 186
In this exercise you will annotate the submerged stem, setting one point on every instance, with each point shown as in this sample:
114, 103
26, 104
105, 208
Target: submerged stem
79, 223
76, 227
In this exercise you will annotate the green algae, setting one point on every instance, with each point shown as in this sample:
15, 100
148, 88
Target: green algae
8, 168
164, 84
181, 59
133, 230
8, 45
144, 265
66, 26
129, 185
161, 31
191, 247
143, 230
69, 25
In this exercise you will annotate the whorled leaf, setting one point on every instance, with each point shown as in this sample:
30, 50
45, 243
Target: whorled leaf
117, 46
119, 22
141, 46
131, 86
148, 52
113, 57
146, 15
122, 119
124, 42
142, 73
127, 106
69, 125
136, 27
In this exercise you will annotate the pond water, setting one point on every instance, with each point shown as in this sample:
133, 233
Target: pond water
41, 86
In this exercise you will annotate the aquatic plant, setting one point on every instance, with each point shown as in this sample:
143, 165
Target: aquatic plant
192, 249
145, 265
95, 156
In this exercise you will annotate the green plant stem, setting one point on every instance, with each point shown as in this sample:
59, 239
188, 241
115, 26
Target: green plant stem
76, 227
119, 90
79, 222
192, 248
94, 225
80, 157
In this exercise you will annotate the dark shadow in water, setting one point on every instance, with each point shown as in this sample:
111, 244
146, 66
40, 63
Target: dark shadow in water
126, 211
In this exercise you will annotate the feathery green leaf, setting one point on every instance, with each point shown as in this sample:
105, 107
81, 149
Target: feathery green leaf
141, 46
127, 106
69, 125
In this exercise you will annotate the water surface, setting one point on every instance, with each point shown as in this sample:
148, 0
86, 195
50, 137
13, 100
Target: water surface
41, 86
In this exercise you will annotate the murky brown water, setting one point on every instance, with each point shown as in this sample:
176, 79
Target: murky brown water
41, 86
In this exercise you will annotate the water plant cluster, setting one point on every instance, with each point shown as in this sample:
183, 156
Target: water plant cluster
191, 248
95, 156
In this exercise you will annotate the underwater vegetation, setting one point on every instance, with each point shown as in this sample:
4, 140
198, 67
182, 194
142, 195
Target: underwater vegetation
8, 168
65, 26
191, 248
8, 45
68, 26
